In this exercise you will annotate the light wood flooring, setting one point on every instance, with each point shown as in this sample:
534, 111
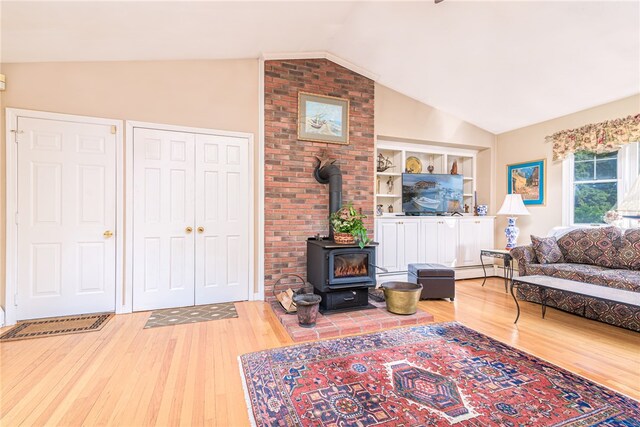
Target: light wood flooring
188, 374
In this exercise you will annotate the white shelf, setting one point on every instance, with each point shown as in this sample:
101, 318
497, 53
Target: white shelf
388, 174
388, 195
467, 178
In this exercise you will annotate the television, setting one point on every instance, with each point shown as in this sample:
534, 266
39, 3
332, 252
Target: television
424, 194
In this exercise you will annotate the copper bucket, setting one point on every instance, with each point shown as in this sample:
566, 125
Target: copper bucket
402, 297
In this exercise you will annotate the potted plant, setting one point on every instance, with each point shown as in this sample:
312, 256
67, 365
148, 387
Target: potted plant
348, 226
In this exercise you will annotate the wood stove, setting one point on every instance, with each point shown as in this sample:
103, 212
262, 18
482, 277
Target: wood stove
341, 274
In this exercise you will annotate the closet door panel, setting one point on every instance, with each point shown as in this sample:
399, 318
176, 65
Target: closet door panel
222, 219
163, 211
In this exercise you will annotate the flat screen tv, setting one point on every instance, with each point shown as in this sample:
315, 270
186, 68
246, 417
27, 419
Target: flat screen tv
424, 194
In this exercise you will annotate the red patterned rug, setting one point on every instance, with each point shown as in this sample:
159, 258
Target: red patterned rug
431, 375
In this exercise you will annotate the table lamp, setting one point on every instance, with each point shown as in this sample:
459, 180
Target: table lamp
630, 206
513, 207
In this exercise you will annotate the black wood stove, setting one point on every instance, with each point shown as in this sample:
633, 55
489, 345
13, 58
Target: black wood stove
341, 274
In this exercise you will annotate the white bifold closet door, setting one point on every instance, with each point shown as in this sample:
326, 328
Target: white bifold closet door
191, 230
66, 218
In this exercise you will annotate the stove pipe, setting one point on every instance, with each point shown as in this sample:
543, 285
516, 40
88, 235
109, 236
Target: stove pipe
331, 175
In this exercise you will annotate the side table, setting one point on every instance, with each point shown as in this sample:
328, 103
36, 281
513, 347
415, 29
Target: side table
508, 264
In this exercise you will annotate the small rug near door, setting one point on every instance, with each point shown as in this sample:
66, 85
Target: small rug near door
56, 326
194, 314
435, 375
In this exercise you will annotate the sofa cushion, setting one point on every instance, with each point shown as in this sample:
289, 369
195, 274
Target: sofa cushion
613, 278
547, 250
629, 252
597, 246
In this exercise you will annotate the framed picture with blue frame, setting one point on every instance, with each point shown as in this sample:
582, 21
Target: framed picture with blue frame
529, 180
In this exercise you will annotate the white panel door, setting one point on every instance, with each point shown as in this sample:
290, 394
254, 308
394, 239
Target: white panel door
163, 219
221, 218
66, 204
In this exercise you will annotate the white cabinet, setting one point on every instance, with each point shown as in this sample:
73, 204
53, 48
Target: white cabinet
399, 243
475, 234
452, 241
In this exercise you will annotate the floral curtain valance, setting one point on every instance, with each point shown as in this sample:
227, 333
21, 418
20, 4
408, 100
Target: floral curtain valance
596, 138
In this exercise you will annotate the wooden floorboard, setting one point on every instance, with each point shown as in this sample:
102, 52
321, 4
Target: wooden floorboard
188, 374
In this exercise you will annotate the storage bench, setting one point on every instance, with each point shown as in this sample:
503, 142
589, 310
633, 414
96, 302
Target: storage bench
437, 280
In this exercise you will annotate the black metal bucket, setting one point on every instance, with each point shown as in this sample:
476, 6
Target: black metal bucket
308, 305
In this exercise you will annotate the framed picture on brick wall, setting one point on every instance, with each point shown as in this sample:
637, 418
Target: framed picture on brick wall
323, 118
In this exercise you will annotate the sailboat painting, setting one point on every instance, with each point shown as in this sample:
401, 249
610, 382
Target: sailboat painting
323, 118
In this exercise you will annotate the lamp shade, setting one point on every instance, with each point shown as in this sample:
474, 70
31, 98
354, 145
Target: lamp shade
513, 206
630, 206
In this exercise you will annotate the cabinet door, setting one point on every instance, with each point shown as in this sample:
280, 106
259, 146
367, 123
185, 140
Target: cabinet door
388, 250
469, 249
448, 242
410, 243
486, 234
429, 241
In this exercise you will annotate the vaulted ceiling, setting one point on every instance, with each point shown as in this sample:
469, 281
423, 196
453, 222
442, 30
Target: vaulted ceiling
498, 64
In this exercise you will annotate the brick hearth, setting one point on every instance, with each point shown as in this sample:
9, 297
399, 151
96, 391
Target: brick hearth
349, 323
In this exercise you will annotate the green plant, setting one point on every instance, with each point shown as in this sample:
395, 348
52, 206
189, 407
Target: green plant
348, 220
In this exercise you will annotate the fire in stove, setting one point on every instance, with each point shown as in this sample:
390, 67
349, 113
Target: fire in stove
351, 265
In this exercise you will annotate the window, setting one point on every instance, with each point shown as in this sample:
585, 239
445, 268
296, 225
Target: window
595, 183
595, 186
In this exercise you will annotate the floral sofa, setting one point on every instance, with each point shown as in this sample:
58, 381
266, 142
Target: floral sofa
606, 256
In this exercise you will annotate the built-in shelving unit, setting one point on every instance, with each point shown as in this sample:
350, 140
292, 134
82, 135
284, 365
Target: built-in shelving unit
389, 182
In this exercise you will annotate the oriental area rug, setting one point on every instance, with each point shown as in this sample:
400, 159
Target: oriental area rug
432, 375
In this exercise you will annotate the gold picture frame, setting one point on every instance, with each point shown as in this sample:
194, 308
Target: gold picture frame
323, 118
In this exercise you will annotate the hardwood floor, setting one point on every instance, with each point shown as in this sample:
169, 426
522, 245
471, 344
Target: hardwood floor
188, 374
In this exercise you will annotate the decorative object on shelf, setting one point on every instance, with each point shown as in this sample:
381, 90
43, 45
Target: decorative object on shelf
379, 210
466, 208
630, 206
348, 226
413, 165
481, 210
528, 180
377, 185
384, 163
390, 185
323, 118
430, 168
512, 207
603, 137
390, 208
454, 168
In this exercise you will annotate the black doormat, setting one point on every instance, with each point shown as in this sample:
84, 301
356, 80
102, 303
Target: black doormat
194, 314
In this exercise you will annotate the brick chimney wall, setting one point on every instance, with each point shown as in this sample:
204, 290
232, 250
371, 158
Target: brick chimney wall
296, 205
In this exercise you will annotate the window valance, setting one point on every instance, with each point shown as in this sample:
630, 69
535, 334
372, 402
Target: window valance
601, 137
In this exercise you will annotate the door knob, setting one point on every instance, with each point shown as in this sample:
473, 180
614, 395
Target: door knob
200, 229
188, 230
107, 233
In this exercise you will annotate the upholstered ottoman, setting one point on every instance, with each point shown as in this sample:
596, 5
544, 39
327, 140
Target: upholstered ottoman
437, 280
